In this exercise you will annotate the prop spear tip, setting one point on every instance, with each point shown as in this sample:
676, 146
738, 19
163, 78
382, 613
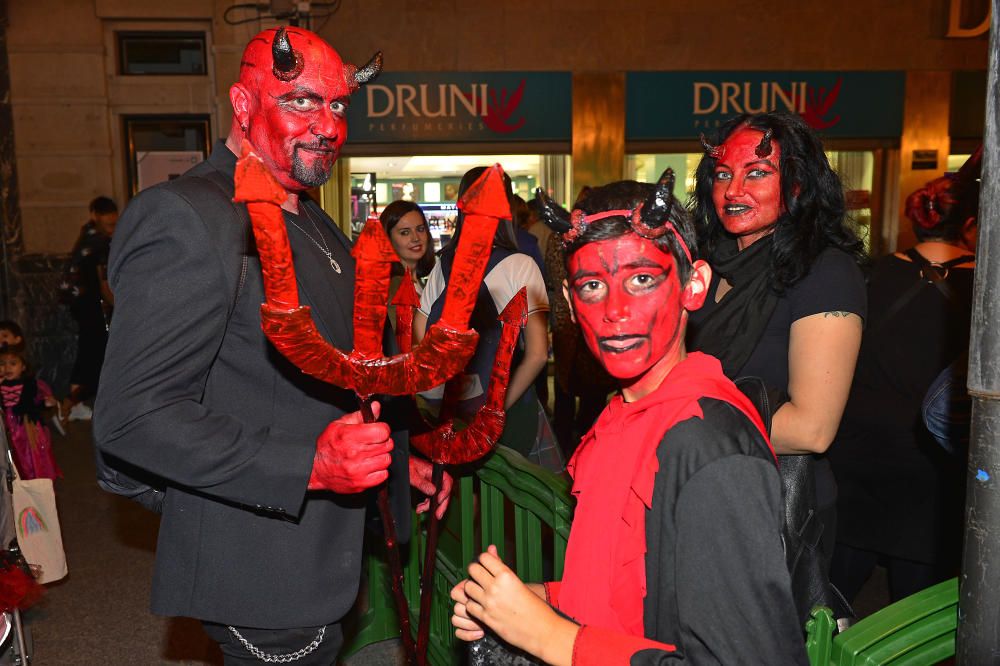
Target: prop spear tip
516, 310
406, 295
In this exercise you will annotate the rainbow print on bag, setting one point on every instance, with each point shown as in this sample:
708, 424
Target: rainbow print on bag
30, 522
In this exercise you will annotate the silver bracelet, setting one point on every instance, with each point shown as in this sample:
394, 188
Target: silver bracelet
279, 658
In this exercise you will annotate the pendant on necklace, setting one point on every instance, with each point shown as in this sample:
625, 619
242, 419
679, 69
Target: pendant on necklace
334, 265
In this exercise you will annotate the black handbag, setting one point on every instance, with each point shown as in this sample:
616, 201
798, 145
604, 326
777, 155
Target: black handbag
802, 528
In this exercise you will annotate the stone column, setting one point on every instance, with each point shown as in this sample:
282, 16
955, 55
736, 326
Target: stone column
12, 238
598, 129
925, 132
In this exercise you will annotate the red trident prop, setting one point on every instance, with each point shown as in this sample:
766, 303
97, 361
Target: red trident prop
444, 446
406, 301
444, 351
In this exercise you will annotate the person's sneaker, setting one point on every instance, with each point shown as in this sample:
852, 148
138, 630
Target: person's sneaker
80, 412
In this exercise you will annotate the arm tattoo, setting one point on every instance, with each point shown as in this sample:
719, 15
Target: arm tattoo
837, 313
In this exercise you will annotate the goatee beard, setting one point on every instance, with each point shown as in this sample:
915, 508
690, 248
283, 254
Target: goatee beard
311, 176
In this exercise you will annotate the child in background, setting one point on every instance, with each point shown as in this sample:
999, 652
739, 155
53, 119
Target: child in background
11, 335
23, 398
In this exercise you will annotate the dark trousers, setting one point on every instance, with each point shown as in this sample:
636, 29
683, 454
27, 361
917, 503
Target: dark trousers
90, 346
277, 642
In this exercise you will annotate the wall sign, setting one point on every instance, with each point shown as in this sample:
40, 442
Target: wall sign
924, 159
956, 10
449, 107
679, 105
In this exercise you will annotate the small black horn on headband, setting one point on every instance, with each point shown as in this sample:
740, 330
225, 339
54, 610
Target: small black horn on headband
287, 62
763, 148
710, 150
370, 71
656, 208
554, 216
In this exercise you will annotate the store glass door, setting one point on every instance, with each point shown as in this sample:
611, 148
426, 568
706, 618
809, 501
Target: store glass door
432, 182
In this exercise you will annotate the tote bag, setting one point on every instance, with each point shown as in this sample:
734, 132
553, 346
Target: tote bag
37, 527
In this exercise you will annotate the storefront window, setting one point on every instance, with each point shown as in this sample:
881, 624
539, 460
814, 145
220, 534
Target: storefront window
647, 167
955, 162
857, 172
432, 182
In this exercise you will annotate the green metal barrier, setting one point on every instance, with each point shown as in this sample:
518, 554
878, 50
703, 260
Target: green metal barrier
521, 508
916, 631
526, 511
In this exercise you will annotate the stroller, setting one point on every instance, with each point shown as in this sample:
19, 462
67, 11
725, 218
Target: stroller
15, 635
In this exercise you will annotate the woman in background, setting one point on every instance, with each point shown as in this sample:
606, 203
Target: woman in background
406, 226
901, 495
507, 272
786, 304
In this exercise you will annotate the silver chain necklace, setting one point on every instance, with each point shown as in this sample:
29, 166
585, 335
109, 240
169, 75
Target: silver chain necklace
324, 248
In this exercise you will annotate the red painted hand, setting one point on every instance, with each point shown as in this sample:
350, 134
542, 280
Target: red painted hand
420, 478
351, 455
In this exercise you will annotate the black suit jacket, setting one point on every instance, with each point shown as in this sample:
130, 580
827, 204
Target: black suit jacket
204, 401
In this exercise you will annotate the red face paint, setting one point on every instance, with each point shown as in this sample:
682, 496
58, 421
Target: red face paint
747, 188
627, 299
296, 126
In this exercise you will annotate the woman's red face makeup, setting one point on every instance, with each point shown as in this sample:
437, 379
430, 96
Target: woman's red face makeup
746, 188
627, 299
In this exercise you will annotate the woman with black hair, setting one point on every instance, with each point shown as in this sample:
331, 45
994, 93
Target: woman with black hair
787, 300
507, 271
900, 495
406, 226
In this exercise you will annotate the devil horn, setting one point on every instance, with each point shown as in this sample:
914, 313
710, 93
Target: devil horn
656, 209
370, 71
554, 216
281, 51
710, 150
763, 148
287, 61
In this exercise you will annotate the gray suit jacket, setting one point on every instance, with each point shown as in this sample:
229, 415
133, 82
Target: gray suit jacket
204, 401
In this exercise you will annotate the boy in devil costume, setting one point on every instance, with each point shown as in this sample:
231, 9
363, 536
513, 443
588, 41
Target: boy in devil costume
675, 552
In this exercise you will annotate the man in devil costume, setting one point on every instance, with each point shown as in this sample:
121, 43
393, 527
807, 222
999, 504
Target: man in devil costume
675, 551
263, 467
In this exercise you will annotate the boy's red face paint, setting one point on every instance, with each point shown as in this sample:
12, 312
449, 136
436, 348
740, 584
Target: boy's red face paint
627, 299
297, 126
746, 188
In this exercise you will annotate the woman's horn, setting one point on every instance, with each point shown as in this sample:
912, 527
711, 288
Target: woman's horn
763, 148
714, 152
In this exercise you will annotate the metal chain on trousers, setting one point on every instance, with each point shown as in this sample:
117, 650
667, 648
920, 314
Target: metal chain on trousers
279, 658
